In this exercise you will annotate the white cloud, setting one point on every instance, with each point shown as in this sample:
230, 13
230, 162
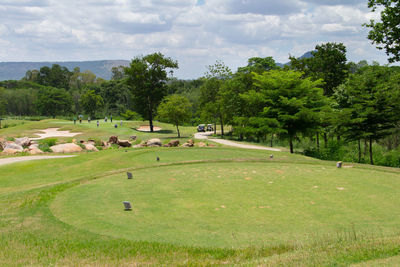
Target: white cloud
194, 34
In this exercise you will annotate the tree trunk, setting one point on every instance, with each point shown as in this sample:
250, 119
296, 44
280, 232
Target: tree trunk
370, 152
272, 140
318, 142
359, 150
338, 138
389, 143
241, 137
151, 122
325, 140
291, 144
215, 126
177, 129
365, 147
150, 115
222, 126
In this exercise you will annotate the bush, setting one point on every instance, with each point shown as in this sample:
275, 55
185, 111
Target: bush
45, 144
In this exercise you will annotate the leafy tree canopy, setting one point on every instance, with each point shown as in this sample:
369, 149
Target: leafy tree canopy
175, 109
327, 63
386, 32
147, 77
259, 65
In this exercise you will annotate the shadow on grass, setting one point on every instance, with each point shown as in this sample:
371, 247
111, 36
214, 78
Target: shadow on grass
161, 131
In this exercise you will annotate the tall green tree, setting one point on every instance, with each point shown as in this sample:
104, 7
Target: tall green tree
210, 93
372, 110
3, 103
259, 65
386, 32
291, 99
147, 77
175, 109
328, 62
91, 102
53, 101
56, 76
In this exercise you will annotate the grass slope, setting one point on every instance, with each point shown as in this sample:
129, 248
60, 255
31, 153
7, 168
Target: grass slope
186, 207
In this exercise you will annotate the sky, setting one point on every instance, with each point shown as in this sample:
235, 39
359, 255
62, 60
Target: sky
196, 33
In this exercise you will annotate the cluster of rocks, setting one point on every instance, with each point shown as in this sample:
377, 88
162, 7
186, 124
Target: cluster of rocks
19, 145
24, 144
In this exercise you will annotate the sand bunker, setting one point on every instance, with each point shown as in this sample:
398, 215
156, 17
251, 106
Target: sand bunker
53, 132
146, 128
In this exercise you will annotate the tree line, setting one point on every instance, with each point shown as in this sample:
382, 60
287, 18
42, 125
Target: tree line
317, 97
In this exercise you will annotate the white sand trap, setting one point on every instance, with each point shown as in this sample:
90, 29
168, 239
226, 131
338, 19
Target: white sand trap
28, 158
146, 128
53, 132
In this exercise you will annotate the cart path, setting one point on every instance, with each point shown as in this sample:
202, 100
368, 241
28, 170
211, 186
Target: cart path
205, 135
28, 158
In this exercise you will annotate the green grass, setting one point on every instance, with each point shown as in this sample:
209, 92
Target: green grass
90, 130
196, 206
235, 204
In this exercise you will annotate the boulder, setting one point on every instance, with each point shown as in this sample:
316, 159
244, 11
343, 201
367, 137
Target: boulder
66, 148
74, 141
124, 143
10, 151
189, 143
167, 145
154, 142
2, 143
90, 147
113, 140
143, 143
138, 146
133, 137
33, 146
13, 145
173, 143
35, 151
201, 144
91, 142
23, 141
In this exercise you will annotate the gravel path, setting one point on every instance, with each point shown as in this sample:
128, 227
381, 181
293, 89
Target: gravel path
27, 158
205, 135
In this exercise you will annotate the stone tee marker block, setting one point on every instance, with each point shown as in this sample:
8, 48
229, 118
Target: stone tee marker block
339, 164
129, 174
127, 206
271, 156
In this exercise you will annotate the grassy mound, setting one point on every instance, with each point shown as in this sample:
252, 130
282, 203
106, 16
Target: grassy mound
235, 204
196, 206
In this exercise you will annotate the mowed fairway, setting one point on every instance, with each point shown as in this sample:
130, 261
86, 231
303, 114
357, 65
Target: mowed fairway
196, 206
235, 204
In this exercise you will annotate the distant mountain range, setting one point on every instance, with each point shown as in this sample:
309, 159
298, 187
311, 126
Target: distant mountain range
102, 68
17, 70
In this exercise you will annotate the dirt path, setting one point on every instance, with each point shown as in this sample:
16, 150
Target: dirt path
205, 135
28, 158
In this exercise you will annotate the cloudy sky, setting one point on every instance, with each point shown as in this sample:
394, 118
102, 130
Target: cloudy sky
194, 32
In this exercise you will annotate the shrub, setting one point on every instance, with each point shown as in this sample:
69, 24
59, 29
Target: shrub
45, 144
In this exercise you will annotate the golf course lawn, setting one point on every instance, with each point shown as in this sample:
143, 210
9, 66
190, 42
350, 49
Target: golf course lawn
194, 207
235, 204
